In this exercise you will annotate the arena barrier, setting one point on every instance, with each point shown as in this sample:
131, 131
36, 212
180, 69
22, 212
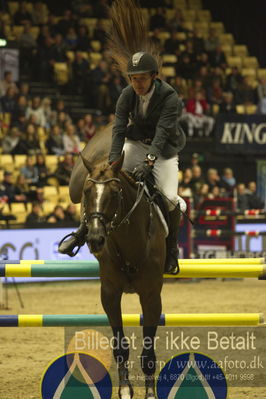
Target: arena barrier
180, 320
189, 268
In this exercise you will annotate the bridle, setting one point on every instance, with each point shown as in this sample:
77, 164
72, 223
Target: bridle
114, 224
100, 215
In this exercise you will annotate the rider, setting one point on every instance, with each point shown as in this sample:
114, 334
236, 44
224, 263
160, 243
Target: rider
146, 128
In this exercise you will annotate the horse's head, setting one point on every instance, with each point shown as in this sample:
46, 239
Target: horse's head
102, 197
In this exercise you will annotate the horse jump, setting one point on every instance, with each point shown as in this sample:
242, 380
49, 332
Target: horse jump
189, 268
133, 320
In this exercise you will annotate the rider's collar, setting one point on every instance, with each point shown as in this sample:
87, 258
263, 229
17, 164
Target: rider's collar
148, 95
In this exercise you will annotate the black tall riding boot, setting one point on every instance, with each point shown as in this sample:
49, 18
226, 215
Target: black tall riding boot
77, 239
172, 251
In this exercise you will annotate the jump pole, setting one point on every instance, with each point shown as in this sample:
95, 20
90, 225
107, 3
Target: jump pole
180, 320
194, 268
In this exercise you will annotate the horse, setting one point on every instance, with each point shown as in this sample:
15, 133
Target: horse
126, 236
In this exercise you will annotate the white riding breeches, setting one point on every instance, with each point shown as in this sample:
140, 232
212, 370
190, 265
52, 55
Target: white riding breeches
165, 171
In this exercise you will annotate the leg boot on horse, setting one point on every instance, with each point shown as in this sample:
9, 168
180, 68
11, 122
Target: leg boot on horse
77, 239
172, 251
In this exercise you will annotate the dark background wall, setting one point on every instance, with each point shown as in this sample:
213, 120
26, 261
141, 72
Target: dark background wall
246, 20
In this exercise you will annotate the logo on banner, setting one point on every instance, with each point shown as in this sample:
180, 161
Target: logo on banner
191, 375
76, 375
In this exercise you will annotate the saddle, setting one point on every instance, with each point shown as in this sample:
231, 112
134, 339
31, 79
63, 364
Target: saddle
157, 198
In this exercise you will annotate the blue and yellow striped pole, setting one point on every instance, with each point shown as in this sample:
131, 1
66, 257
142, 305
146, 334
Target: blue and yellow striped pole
180, 320
189, 268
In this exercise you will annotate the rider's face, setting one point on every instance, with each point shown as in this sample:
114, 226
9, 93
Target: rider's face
141, 83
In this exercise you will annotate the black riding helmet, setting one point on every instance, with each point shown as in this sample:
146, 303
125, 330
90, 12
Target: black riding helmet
142, 62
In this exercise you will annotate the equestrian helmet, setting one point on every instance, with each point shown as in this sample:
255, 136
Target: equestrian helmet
142, 62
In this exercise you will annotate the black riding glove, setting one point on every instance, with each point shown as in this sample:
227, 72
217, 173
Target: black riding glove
142, 171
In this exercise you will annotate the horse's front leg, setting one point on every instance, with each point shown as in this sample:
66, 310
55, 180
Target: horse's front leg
151, 307
111, 301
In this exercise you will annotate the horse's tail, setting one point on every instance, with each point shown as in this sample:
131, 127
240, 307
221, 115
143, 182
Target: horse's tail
129, 33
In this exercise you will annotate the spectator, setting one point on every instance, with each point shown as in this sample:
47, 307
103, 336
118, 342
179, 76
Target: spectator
195, 159
10, 190
83, 41
71, 140
227, 106
213, 179
60, 109
42, 170
8, 101
185, 67
71, 214
22, 15
30, 172
175, 24
197, 178
196, 115
71, 39
228, 181
172, 44
212, 41
233, 80
242, 198
29, 142
39, 13
217, 57
89, 128
11, 140
57, 216
27, 44
215, 92
7, 83
64, 169
99, 33
246, 92
23, 188
80, 129
55, 144
185, 187
65, 23
261, 93
45, 60
100, 9
47, 111
254, 201
80, 68
20, 108
35, 217
158, 20
37, 110
200, 195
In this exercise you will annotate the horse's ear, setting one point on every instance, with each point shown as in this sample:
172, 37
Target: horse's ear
117, 165
86, 163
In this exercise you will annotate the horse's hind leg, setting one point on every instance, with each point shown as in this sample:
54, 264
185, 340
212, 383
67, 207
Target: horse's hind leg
111, 301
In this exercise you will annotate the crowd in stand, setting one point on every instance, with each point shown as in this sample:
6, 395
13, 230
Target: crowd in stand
198, 185
37, 126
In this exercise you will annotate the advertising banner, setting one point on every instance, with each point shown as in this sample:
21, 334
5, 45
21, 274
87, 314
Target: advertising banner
241, 134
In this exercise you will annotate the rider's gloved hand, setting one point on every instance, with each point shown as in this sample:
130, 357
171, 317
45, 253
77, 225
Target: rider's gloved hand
142, 171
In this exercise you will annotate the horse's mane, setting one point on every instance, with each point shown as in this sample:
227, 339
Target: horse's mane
101, 169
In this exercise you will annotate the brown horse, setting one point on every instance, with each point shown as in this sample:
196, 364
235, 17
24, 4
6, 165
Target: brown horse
129, 242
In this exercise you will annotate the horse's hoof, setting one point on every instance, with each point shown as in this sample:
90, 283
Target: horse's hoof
150, 394
126, 392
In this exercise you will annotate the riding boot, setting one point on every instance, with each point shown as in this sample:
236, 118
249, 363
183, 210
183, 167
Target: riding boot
77, 239
172, 251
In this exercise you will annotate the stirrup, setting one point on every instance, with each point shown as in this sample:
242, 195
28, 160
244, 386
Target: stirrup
70, 253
